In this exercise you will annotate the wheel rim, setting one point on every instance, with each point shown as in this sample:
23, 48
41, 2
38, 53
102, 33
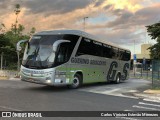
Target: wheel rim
75, 82
118, 79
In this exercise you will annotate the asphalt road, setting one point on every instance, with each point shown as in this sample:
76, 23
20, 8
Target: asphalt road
23, 96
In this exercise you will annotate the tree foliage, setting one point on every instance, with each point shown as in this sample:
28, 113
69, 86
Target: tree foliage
9, 38
8, 41
154, 32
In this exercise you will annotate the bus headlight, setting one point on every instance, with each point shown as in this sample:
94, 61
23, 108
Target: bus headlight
48, 81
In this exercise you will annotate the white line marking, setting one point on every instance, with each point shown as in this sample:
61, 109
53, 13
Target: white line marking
136, 106
145, 99
142, 103
110, 93
5, 107
120, 95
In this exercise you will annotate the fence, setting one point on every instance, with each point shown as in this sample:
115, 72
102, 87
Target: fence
156, 73
148, 72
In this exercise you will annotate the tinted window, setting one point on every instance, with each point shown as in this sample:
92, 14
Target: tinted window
85, 47
127, 56
97, 49
121, 54
107, 51
91, 47
65, 49
115, 54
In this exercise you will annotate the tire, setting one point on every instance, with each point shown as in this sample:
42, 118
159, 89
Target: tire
77, 82
118, 78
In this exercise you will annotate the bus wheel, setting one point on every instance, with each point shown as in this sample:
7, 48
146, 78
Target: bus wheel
77, 81
118, 78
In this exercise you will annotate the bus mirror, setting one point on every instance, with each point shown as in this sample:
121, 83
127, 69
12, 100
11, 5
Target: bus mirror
58, 42
19, 48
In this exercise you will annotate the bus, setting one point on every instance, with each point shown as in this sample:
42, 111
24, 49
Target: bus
72, 58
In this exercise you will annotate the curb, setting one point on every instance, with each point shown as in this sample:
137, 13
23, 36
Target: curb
14, 79
152, 91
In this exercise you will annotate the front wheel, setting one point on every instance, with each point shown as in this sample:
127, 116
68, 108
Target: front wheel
77, 81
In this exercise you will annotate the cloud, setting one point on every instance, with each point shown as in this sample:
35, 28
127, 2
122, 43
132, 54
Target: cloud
59, 13
120, 36
122, 17
130, 5
50, 7
98, 3
126, 19
123, 28
148, 15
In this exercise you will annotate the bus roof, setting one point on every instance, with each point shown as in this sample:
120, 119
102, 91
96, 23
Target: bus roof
79, 33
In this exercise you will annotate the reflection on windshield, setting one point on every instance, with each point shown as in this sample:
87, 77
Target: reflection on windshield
39, 51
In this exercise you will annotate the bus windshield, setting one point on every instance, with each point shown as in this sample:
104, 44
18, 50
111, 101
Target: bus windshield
39, 52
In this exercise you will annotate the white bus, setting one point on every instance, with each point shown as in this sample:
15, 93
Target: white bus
73, 58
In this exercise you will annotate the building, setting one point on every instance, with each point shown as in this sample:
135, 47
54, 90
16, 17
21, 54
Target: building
144, 57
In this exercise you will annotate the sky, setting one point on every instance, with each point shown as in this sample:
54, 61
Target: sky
121, 22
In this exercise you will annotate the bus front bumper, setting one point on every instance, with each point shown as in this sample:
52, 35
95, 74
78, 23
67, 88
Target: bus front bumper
46, 81
37, 80
45, 76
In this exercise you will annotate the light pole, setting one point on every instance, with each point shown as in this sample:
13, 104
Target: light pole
84, 22
134, 60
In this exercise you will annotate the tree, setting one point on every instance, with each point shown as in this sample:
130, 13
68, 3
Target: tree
7, 50
9, 39
2, 28
17, 11
154, 32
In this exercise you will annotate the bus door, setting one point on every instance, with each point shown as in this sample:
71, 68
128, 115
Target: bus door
63, 55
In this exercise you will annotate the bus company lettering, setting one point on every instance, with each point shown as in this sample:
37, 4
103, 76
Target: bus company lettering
87, 61
95, 62
112, 71
80, 60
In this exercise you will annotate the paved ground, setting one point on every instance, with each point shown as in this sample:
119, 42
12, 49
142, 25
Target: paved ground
22, 96
125, 89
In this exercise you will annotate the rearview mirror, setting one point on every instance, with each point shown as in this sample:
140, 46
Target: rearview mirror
55, 44
19, 48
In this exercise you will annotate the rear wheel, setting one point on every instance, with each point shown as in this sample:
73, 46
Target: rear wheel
77, 82
118, 79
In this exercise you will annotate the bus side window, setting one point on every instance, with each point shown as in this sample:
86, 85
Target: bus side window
63, 49
85, 47
107, 51
121, 54
97, 48
115, 54
64, 52
126, 56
